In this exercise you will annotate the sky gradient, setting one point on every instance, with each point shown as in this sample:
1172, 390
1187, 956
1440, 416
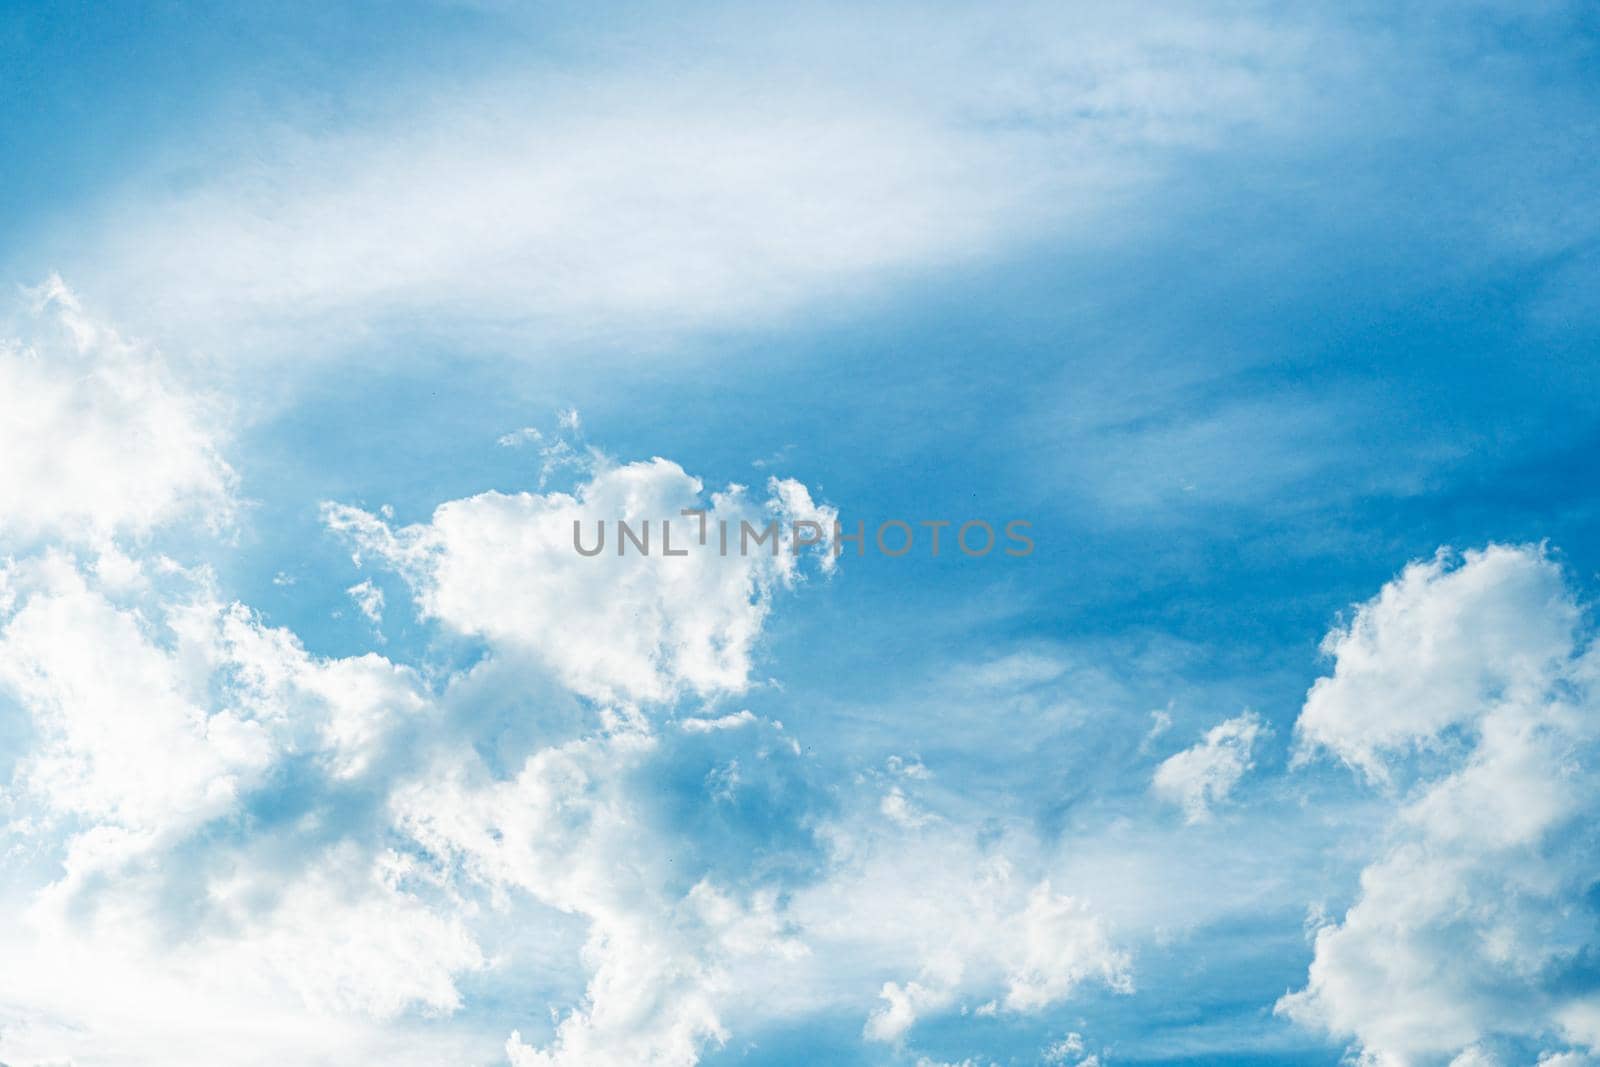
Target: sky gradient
320, 745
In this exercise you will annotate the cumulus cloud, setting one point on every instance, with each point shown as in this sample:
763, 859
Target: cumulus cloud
226, 819
219, 697
1423, 655
166, 722
1060, 943
630, 627
677, 940
190, 766
359, 899
571, 831
1468, 683
294, 814
78, 663
186, 767
1201, 777
679, 945
951, 921
98, 437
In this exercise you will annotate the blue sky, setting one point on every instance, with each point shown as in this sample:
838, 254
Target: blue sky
1275, 322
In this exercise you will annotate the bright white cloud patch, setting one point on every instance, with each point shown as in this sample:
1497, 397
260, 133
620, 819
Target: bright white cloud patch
162, 719
955, 924
569, 831
97, 438
1465, 682
1425, 654
1201, 777
122, 740
190, 765
1021, 949
630, 627
165, 725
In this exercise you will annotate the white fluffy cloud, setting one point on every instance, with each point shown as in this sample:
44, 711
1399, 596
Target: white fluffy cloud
121, 739
1013, 947
952, 923
155, 715
372, 896
160, 716
576, 826
570, 832
633, 627
1466, 684
97, 437
189, 765
1431, 648
1200, 777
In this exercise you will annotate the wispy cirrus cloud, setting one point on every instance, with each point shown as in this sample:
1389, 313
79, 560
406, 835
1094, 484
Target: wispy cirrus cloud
580, 204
